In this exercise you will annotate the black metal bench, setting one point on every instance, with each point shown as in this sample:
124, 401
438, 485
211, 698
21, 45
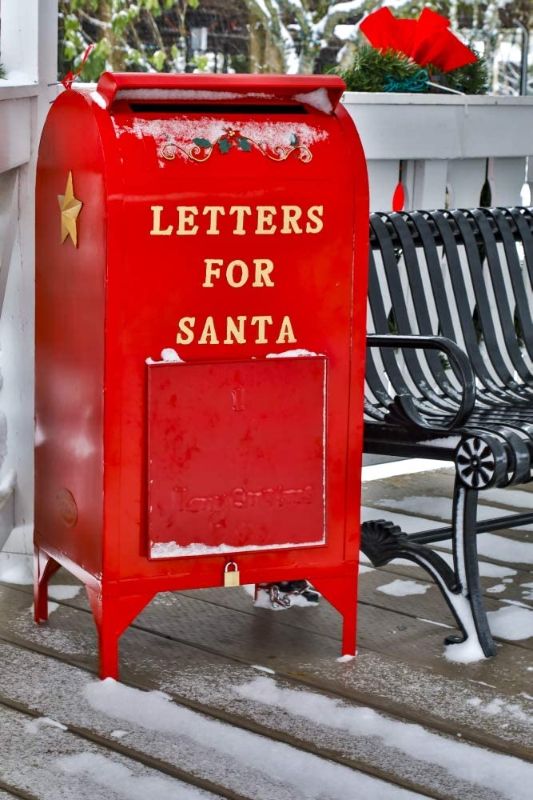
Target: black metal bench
450, 376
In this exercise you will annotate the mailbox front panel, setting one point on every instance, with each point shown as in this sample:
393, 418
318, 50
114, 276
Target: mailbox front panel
236, 456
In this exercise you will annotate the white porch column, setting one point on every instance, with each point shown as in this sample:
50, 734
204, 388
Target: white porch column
28, 50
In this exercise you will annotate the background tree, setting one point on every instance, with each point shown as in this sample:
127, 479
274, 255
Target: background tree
301, 29
127, 36
301, 33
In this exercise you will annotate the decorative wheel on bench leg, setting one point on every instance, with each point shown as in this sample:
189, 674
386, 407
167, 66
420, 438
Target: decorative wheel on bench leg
480, 462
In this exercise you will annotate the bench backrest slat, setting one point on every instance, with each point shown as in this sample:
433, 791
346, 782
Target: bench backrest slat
506, 313
419, 374
472, 267
465, 275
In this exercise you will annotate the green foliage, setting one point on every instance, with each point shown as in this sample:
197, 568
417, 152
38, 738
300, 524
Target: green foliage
200, 62
239, 62
158, 59
2, 72
376, 71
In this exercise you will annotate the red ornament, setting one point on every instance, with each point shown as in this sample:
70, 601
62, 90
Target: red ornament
70, 77
398, 198
426, 40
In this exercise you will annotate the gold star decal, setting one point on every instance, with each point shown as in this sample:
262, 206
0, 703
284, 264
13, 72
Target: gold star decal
70, 207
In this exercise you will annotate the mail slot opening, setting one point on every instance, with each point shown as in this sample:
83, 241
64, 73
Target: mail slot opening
212, 108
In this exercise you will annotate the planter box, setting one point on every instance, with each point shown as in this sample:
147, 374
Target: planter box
419, 126
446, 141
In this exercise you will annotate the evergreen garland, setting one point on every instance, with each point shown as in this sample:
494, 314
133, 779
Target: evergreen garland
390, 71
371, 69
470, 79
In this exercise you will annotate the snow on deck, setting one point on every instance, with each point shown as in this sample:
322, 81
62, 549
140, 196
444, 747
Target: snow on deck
223, 699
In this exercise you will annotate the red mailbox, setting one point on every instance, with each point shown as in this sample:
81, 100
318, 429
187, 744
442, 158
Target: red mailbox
200, 333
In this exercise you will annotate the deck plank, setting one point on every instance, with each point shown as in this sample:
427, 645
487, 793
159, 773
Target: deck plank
210, 756
428, 495
40, 759
217, 688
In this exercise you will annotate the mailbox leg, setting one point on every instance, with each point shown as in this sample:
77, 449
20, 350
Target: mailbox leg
108, 650
105, 619
341, 592
112, 615
44, 568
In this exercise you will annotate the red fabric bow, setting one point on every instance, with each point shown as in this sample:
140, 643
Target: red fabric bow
70, 77
427, 40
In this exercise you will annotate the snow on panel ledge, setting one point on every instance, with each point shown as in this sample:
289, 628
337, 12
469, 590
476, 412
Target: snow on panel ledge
168, 356
174, 550
296, 353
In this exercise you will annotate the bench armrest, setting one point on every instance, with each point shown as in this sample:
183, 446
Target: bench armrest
404, 404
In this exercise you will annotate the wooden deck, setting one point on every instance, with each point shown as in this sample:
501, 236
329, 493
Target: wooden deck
257, 705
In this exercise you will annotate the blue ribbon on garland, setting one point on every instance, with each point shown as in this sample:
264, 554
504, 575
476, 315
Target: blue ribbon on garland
417, 83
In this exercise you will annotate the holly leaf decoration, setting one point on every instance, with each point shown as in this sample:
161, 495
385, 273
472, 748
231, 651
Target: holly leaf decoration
224, 146
204, 143
293, 141
244, 144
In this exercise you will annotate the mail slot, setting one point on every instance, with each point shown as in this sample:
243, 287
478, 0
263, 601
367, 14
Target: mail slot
200, 324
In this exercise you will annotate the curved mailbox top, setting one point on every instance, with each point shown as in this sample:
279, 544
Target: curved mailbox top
322, 92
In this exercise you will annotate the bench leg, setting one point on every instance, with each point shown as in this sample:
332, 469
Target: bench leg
383, 541
474, 624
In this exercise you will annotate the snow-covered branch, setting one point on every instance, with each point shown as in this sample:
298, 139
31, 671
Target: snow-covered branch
302, 31
335, 14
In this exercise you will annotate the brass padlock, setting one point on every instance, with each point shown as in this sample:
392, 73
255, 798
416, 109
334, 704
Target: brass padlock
231, 574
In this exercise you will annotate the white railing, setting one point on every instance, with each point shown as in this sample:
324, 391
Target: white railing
28, 52
445, 146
